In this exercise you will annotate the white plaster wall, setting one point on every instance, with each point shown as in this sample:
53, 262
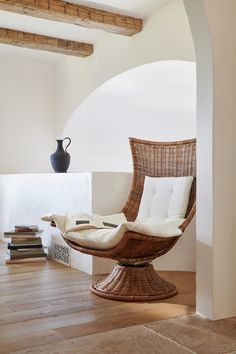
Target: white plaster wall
27, 114
222, 23
155, 101
166, 35
24, 198
35, 103
110, 191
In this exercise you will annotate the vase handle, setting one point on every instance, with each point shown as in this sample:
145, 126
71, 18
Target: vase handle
68, 143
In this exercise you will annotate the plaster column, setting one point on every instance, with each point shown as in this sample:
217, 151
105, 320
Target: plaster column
213, 24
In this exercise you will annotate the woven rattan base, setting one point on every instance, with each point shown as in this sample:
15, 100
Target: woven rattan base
129, 283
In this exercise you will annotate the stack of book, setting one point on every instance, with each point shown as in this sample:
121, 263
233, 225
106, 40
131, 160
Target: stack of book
26, 244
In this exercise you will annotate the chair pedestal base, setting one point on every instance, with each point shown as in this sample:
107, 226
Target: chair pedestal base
133, 283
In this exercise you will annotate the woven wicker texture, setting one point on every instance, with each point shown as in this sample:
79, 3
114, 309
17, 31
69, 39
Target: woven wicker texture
134, 284
159, 159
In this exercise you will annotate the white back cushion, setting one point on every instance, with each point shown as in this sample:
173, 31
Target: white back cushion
164, 199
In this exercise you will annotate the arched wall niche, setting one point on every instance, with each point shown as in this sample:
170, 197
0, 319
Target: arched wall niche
154, 101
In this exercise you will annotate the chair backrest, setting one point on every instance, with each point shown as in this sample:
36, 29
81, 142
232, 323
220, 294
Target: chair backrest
160, 159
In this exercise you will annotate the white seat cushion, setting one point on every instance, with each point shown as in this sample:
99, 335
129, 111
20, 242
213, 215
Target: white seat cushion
162, 210
164, 199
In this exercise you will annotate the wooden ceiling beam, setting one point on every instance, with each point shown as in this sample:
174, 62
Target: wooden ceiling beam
36, 41
58, 10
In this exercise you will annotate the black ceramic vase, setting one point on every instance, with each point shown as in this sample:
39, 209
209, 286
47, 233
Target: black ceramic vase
60, 160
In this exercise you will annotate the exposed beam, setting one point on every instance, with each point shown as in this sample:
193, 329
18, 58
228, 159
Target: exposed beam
58, 10
36, 41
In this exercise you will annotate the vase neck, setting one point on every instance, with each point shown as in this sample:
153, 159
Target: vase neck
60, 145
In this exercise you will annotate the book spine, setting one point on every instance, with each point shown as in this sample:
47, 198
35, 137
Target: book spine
26, 260
25, 256
26, 240
18, 229
29, 250
22, 234
23, 246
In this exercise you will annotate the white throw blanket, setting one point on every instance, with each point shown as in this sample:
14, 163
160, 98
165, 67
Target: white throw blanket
105, 232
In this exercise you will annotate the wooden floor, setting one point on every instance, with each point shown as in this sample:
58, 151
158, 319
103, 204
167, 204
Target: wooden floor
47, 302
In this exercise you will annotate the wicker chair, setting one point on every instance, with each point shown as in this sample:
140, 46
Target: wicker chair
133, 278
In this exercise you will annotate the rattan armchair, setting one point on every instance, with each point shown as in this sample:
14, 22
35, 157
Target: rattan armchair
133, 278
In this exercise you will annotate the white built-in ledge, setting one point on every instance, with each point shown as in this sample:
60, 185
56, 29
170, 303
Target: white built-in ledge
24, 198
